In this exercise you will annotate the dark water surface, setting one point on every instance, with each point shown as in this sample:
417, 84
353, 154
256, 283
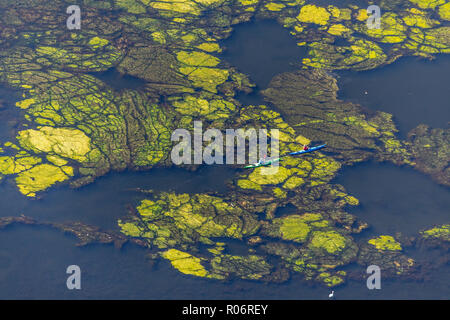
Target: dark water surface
109, 273
395, 199
414, 90
104, 201
262, 49
8, 112
33, 260
117, 80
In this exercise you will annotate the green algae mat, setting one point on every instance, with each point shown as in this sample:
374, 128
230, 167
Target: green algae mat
74, 127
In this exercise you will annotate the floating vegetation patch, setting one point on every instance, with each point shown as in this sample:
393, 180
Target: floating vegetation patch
77, 127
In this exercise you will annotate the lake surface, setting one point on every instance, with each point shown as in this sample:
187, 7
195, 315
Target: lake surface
414, 90
262, 49
395, 199
33, 260
8, 112
104, 201
109, 273
117, 80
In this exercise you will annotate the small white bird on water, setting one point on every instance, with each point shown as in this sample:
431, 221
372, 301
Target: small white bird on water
331, 295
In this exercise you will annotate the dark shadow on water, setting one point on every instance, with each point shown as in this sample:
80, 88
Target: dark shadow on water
119, 81
414, 90
395, 199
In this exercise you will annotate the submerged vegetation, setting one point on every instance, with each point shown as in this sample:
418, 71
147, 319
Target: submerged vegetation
76, 128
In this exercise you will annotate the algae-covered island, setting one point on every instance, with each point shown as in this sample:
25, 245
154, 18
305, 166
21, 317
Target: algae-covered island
75, 126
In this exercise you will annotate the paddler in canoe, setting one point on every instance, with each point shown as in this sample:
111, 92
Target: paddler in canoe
267, 162
307, 149
263, 162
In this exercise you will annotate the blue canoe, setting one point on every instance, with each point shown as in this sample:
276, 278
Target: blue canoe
307, 151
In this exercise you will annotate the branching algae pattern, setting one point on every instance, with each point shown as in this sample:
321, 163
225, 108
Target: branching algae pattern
76, 128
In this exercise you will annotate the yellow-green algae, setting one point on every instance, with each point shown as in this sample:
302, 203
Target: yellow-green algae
186, 263
12, 165
198, 67
295, 227
338, 29
362, 54
90, 126
292, 172
425, 4
331, 280
209, 47
440, 232
272, 6
313, 14
211, 109
250, 267
444, 11
316, 257
400, 27
385, 243
295, 96
66, 142
41, 177
330, 241
248, 184
91, 54
181, 218
182, 6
